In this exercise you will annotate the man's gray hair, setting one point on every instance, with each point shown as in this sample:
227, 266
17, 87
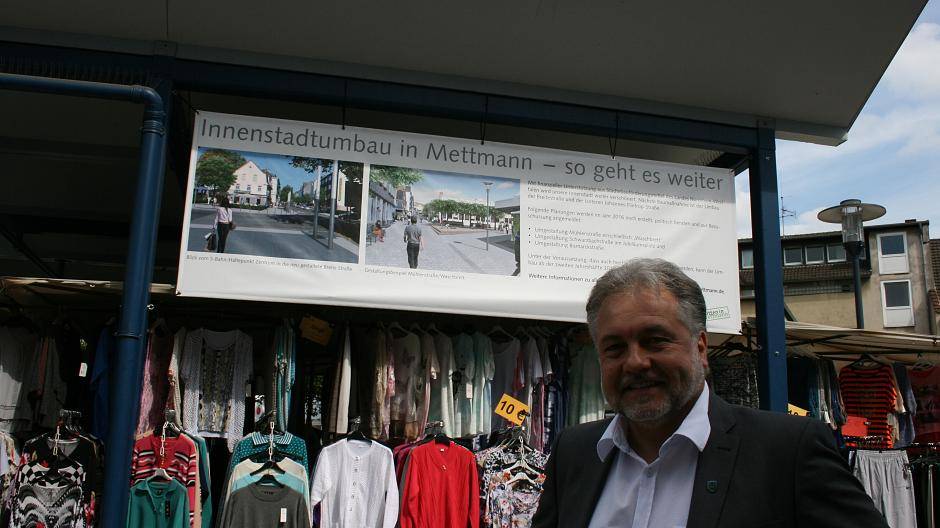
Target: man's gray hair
653, 274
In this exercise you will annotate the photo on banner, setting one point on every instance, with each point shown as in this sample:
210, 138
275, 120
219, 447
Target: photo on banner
464, 223
282, 206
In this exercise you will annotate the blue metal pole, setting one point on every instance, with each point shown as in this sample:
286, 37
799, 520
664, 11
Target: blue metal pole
128, 360
132, 329
768, 274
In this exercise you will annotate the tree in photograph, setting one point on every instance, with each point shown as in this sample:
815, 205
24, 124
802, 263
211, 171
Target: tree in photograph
312, 164
395, 177
216, 169
445, 209
286, 190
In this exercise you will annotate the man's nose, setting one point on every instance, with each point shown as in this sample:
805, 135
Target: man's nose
636, 360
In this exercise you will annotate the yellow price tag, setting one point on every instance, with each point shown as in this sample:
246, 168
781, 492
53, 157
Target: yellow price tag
316, 330
793, 409
512, 409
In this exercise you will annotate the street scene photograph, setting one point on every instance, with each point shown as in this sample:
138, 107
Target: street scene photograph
444, 221
270, 205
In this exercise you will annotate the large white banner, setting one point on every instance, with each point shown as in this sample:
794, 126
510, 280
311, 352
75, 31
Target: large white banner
382, 219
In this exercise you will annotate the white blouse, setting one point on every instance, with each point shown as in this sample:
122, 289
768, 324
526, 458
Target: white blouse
223, 215
354, 483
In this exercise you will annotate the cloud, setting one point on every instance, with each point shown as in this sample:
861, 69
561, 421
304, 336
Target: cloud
508, 185
425, 195
892, 154
742, 205
914, 73
806, 222
904, 110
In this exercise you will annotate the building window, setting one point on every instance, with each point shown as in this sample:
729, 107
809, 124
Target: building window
892, 253
815, 254
249, 187
896, 302
793, 256
835, 253
747, 258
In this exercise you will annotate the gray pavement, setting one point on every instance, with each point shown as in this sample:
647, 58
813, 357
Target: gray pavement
272, 235
460, 252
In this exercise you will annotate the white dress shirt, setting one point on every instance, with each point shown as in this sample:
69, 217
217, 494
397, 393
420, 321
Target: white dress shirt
657, 495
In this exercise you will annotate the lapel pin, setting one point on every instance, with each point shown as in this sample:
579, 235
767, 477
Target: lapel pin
711, 486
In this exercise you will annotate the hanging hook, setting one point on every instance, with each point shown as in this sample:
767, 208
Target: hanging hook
613, 140
271, 440
486, 111
345, 100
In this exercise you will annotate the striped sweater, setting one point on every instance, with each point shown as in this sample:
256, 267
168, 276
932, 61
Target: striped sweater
180, 460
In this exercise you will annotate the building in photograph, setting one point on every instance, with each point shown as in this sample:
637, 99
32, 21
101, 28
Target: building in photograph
309, 188
505, 210
342, 192
253, 186
898, 270
934, 292
381, 203
405, 200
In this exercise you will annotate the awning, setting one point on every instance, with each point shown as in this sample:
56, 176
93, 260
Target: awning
809, 67
837, 342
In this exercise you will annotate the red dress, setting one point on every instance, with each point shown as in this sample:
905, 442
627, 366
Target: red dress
441, 488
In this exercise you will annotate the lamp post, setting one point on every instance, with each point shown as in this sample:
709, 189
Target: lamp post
851, 214
487, 186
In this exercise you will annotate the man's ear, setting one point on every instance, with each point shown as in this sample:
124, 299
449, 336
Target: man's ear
701, 345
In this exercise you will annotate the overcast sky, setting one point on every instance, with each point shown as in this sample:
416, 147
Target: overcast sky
892, 156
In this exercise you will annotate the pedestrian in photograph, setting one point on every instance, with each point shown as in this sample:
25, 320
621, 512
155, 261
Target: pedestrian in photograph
414, 241
223, 222
378, 232
675, 452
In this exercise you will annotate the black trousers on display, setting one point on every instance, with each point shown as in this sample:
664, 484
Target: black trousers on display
413, 250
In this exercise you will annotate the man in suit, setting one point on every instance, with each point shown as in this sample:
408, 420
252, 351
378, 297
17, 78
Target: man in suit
676, 455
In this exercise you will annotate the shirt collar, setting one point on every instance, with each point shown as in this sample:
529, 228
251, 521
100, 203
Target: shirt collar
695, 427
146, 490
260, 439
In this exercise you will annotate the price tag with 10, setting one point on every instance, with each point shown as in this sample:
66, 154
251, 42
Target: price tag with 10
512, 409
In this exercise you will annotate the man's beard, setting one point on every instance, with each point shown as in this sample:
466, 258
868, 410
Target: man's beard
677, 395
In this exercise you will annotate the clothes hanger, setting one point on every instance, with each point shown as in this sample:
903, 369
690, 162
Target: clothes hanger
923, 363
270, 466
865, 361
169, 425
358, 435
523, 477
498, 330
160, 474
268, 421
395, 326
268, 480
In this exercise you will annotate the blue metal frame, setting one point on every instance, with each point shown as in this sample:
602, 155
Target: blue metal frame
768, 274
757, 143
131, 333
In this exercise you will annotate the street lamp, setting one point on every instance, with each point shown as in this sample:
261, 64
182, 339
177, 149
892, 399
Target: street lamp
851, 214
487, 186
